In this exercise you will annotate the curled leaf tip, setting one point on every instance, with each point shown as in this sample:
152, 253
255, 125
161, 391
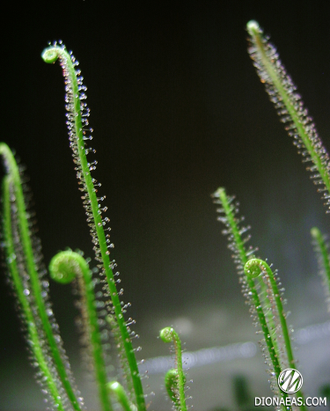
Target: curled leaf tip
253, 27
50, 54
172, 385
254, 267
118, 391
315, 232
65, 265
114, 385
166, 334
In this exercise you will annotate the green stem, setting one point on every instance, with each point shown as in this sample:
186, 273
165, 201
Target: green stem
33, 274
269, 315
93, 211
231, 223
32, 329
252, 293
272, 73
63, 267
172, 386
118, 390
324, 262
255, 267
168, 334
249, 288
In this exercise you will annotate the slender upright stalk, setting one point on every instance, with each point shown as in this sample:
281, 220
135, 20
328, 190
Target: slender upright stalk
255, 268
241, 257
290, 108
322, 251
118, 391
63, 267
175, 379
77, 114
29, 261
21, 292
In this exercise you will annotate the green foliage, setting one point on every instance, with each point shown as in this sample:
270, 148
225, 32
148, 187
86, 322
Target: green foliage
322, 252
118, 391
104, 317
24, 264
175, 379
64, 267
290, 108
77, 115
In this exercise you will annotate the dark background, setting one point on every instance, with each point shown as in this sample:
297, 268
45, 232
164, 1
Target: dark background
177, 111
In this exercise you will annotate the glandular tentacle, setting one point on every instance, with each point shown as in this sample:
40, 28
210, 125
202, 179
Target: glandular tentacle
80, 132
31, 287
64, 267
298, 123
228, 215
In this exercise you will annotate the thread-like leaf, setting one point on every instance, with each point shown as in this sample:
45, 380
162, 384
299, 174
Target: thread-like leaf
172, 386
260, 287
322, 253
175, 379
25, 267
256, 268
64, 267
290, 108
44, 366
241, 255
79, 132
118, 391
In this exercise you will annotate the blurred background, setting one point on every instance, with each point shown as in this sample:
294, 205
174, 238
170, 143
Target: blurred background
177, 111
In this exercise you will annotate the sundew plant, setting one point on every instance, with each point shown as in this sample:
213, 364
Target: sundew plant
103, 312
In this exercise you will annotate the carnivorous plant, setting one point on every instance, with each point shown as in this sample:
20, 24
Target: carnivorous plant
102, 310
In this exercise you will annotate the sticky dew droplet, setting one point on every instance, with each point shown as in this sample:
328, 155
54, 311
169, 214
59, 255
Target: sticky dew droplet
49, 312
